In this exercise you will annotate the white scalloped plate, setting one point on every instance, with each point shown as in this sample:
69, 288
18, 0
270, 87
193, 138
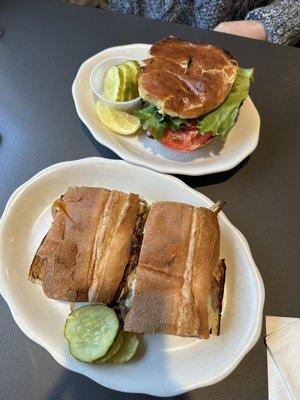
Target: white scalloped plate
215, 157
168, 365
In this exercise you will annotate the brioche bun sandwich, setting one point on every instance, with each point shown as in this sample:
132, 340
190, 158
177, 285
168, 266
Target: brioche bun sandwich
192, 93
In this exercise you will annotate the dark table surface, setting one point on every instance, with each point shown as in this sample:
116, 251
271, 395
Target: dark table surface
42, 46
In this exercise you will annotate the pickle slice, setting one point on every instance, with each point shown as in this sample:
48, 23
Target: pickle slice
127, 349
113, 348
135, 73
90, 331
135, 68
129, 80
114, 84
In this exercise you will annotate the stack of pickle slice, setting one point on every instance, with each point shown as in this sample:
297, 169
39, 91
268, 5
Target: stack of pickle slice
121, 81
94, 335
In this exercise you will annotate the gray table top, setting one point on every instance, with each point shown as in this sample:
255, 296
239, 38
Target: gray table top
43, 45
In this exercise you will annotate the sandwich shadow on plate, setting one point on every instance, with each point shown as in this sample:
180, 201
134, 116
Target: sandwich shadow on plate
211, 149
193, 181
212, 179
75, 387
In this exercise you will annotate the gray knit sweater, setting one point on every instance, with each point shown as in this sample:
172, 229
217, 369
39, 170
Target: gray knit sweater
281, 18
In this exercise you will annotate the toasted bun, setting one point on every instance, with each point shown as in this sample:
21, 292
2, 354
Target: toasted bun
179, 254
185, 79
85, 253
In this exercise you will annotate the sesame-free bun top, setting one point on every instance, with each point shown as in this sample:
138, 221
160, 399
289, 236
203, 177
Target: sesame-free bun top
185, 79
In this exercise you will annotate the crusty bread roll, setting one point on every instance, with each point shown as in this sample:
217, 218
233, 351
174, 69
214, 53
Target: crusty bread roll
86, 251
185, 79
180, 279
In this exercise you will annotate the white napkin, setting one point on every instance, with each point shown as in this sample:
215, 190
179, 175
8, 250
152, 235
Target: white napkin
283, 352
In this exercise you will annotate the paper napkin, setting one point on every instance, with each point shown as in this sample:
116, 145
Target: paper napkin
283, 352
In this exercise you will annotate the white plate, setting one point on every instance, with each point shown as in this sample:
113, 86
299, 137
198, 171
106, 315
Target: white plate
170, 365
217, 156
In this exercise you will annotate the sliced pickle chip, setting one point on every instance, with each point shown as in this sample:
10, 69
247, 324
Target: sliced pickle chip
90, 331
127, 349
136, 71
129, 80
114, 84
135, 68
113, 348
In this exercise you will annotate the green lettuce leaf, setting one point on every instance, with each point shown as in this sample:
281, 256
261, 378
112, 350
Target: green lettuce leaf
176, 123
157, 123
151, 119
221, 120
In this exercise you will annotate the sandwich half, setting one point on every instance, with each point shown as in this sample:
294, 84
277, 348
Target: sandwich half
179, 278
90, 245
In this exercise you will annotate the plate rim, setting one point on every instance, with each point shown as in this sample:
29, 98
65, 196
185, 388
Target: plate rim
130, 157
251, 341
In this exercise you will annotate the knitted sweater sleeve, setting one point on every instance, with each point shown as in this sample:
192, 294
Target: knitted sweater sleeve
281, 20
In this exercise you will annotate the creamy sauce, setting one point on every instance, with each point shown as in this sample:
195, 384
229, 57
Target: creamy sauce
128, 301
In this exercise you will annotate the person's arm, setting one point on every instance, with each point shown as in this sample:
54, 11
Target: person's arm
251, 29
279, 22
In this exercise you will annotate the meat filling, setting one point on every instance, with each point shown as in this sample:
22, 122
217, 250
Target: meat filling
126, 288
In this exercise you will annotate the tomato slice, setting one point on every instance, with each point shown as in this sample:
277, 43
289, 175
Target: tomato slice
185, 139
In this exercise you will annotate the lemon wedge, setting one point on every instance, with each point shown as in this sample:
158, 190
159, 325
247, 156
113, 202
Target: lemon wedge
117, 121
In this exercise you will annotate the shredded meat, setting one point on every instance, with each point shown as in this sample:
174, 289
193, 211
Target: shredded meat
125, 286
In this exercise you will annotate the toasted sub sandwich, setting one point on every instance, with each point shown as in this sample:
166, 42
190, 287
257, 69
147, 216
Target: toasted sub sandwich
86, 252
179, 278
